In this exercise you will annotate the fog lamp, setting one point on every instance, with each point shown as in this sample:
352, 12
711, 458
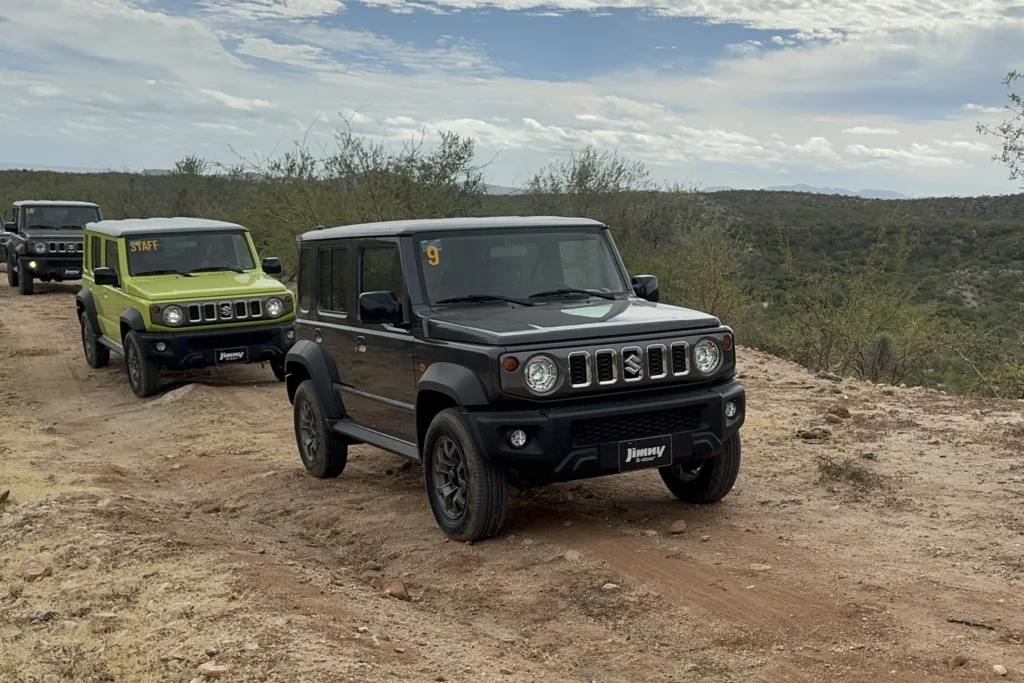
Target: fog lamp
731, 409
290, 334
517, 438
160, 346
32, 265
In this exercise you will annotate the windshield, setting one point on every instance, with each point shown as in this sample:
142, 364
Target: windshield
58, 217
526, 265
187, 253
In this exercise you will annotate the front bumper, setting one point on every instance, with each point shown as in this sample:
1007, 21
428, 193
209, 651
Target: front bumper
197, 349
52, 267
582, 440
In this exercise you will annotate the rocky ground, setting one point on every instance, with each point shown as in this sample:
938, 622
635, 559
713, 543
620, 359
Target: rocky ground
875, 534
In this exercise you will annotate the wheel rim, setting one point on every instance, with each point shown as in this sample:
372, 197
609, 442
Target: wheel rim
689, 474
451, 485
307, 433
134, 371
87, 335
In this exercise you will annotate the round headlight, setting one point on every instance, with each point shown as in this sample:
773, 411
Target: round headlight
275, 307
39, 247
706, 356
541, 374
173, 315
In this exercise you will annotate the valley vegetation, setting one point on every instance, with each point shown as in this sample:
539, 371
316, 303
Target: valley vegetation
922, 292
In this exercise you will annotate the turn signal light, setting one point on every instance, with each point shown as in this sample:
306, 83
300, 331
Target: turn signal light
510, 364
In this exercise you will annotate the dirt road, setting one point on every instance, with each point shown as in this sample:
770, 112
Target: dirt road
154, 540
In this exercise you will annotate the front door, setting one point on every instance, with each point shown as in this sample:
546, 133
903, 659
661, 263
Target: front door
108, 299
382, 383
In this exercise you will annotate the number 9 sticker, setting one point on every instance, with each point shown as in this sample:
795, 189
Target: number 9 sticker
432, 249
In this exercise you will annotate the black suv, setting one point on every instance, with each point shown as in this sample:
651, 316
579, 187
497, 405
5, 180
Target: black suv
43, 241
505, 351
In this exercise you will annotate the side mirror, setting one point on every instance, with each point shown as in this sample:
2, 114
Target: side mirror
646, 287
272, 265
105, 276
10, 227
380, 307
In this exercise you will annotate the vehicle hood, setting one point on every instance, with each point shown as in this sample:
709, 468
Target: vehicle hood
204, 286
66, 235
555, 321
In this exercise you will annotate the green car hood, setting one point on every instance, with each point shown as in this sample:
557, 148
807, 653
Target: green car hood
215, 285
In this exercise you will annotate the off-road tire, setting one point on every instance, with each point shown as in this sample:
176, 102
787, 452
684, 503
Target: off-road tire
12, 274
326, 455
146, 381
96, 355
714, 480
278, 367
25, 283
485, 488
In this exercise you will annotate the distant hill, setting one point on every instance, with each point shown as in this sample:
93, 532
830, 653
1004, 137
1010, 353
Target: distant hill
867, 194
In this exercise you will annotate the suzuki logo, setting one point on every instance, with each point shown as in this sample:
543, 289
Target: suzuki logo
632, 364
225, 310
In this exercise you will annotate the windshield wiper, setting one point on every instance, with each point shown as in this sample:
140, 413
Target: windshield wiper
209, 269
483, 297
165, 271
571, 290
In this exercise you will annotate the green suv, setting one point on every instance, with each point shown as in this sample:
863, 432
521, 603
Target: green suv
180, 293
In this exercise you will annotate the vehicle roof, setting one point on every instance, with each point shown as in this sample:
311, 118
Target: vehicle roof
51, 202
386, 228
128, 227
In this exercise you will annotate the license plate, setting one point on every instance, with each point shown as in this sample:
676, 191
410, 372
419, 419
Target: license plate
232, 355
639, 454
68, 272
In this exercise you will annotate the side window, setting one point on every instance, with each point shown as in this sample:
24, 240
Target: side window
111, 256
14, 215
334, 279
306, 282
381, 270
94, 252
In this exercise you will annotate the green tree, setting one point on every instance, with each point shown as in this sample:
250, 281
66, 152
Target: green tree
1011, 131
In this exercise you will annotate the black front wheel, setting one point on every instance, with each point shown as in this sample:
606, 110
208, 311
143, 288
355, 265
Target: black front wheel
324, 453
12, 273
96, 355
468, 494
278, 367
143, 374
706, 481
25, 284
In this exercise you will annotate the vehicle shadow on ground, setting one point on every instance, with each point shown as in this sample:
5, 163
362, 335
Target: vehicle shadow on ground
51, 289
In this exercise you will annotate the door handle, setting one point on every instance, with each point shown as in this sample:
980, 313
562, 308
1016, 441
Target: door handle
360, 344
318, 336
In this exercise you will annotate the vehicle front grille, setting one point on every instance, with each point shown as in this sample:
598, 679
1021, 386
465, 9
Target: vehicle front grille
579, 369
635, 426
65, 247
628, 364
605, 361
233, 310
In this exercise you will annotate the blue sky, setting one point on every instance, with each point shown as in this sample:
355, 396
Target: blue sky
747, 93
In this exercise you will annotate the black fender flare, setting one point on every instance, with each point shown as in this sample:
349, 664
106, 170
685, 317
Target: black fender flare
457, 382
133, 319
87, 306
320, 368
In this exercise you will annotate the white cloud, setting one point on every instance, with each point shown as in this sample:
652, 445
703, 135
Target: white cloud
983, 108
273, 9
234, 102
868, 130
172, 85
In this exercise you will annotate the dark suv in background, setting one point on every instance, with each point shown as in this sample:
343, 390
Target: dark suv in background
43, 241
505, 351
